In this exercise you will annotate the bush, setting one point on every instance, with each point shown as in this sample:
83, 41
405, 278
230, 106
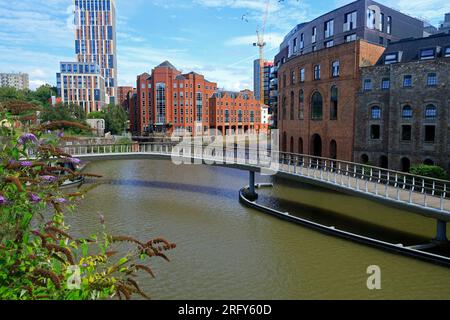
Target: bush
39, 259
429, 171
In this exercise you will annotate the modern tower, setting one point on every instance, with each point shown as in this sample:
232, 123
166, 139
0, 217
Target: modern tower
95, 39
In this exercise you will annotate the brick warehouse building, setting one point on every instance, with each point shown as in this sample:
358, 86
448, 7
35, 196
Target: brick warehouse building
403, 106
239, 112
317, 93
167, 100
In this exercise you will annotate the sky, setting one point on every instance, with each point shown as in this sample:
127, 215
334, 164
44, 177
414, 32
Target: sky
211, 37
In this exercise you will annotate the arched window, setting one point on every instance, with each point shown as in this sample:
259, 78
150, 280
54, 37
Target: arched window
333, 149
292, 106
365, 159
334, 103
300, 145
292, 145
301, 105
375, 113
428, 162
407, 112
406, 164
430, 112
283, 108
284, 142
316, 106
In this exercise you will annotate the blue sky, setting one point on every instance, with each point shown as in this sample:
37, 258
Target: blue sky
206, 36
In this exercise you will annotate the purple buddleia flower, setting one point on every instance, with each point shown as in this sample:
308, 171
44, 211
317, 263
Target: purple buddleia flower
60, 200
49, 178
27, 137
61, 134
26, 163
74, 160
35, 198
2, 200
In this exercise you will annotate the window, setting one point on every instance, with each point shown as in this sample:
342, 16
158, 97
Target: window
295, 44
371, 14
381, 27
302, 41
350, 37
283, 107
430, 112
407, 112
447, 52
302, 75
432, 80
314, 34
329, 28
407, 81
334, 103
367, 85
284, 80
427, 54
375, 113
317, 72
430, 134
391, 58
316, 106
293, 77
335, 69
292, 116
389, 25
385, 84
406, 133
350, 21
161, 103
301, 105
329, 44
375, 132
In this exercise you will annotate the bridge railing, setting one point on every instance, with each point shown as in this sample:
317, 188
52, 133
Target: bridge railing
394, 185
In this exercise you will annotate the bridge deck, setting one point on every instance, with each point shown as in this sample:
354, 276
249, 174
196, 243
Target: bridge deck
421, 195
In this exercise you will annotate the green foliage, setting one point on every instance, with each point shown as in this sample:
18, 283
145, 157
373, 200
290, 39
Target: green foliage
429, 171
115, 118
38, 97
39, 259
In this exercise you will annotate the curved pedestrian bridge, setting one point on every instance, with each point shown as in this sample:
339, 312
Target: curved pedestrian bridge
419, 195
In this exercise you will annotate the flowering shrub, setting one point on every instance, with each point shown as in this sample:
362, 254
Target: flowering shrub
39, 259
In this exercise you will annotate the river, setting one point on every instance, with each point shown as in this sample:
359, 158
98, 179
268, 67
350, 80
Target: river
227, 251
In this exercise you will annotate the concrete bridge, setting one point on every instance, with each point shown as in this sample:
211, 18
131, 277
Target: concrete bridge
419, 195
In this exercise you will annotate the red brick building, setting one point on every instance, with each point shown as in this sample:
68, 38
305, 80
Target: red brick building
168, 101
317, 99
239, 112
123, 95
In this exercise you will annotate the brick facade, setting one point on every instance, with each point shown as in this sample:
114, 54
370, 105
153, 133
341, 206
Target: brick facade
316, 116
403, 114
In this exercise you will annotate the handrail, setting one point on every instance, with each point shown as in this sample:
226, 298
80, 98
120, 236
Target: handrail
344, 174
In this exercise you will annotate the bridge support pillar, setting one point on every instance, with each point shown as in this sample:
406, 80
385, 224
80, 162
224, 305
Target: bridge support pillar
251, 193
441, 231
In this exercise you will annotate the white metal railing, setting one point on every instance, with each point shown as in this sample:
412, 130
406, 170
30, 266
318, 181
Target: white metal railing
388, 184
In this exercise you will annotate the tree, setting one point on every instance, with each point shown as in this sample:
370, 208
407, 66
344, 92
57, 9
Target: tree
115, 119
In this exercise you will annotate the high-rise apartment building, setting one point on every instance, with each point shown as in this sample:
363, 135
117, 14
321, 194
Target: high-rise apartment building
445, 25
20, 81
266, 80
95, 39
81, 83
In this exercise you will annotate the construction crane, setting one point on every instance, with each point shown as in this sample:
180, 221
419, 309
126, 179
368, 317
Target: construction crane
260, 33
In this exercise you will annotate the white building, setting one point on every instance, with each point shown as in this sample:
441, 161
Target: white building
20, 81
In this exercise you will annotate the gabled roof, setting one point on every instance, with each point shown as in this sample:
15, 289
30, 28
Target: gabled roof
167, 64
